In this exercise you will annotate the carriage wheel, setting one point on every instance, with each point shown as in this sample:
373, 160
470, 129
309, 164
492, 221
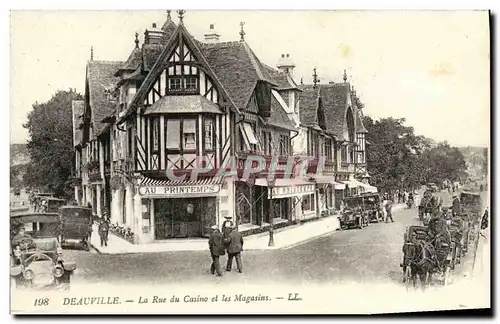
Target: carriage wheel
407, 277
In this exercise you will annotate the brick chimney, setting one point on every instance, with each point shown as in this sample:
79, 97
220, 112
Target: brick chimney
212, 36
285, 64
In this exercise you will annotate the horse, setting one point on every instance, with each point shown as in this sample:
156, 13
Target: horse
421, 258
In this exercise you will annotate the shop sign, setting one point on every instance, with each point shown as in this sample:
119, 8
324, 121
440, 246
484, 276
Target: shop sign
173, 191
291, 191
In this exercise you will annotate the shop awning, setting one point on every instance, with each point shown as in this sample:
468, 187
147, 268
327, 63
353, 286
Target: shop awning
285, 188
164, 188
146, 181
323, 179
353, 183
369, 188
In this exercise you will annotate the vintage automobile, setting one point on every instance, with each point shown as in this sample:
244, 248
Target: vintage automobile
353, 215
371, 206
37, 260
76, 226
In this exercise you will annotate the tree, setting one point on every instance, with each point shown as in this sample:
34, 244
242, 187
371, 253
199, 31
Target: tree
398, 158
50, 146
392, 154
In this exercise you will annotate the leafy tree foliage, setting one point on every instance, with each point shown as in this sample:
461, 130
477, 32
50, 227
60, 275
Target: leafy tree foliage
50, 146
398, 158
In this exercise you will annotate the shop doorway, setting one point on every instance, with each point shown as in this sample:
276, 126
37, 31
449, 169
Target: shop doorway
184, 217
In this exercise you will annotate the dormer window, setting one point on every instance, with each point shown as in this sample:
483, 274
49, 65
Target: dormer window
183, 78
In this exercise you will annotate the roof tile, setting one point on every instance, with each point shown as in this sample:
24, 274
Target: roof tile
100, 75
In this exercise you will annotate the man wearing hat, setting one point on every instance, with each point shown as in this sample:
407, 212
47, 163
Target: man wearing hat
22, 239
234, 249
216, 247
455, 206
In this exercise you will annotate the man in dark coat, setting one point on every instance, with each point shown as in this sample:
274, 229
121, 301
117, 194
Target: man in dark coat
103, 231
216, 250
234, 250
388, 208
455, 206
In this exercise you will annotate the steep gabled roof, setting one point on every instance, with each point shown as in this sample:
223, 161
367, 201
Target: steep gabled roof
157, 67
101, 79
133, 62
308, 112
334, 99
238, 68
77, 107
231, 63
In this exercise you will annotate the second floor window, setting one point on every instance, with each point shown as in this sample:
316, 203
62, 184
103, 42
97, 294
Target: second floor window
209, 134
156, 134
343, 154
189, 134
173, 134
314, 144
248, 136
328, 150
267, 141
284, 148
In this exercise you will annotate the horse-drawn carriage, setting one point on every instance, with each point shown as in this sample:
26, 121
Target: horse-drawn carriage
471, 215
429, 204
423, 257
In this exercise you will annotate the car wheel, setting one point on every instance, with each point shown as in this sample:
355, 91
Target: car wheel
63, 283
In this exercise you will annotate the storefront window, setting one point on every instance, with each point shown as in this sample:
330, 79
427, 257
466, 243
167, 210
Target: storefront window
308, 203
185, 217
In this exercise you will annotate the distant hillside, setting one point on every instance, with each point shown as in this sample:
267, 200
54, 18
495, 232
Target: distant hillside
476, 159
18, 154
19, 160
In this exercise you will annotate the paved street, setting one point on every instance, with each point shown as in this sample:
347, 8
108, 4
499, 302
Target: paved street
370, 254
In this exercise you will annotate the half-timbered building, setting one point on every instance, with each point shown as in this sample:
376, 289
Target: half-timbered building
333, 118
185, 133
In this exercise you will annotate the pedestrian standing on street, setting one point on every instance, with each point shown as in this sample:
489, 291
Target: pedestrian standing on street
455, 206
103, 231
234, 250
388, 208
91, 222
216, 247
384, 204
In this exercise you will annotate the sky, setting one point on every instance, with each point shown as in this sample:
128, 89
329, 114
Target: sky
431, 68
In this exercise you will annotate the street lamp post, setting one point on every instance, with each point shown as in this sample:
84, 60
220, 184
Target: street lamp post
271, 182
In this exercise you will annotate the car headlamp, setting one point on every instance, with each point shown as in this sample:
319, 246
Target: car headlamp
58, 271
28, 274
